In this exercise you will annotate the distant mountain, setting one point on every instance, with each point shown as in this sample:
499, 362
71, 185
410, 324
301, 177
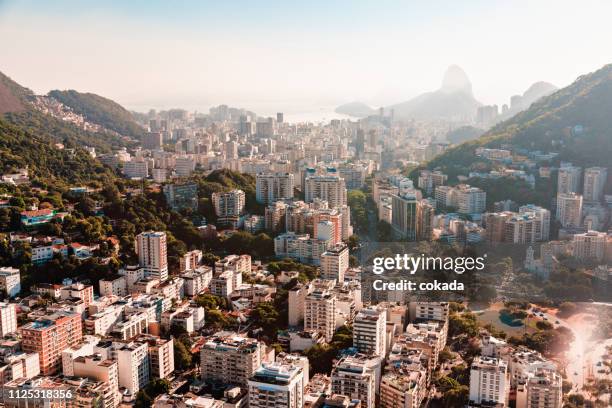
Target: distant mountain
532, 94
537, 91
101, 111
574, 121
454, 100
356, 109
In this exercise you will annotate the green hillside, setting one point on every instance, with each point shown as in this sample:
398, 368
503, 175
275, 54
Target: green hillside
574, 122
101, 111
48, 165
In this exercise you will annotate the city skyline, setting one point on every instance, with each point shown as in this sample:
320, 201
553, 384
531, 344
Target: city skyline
151, 55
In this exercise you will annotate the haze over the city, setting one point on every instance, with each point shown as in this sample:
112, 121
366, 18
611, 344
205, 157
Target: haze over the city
274, 56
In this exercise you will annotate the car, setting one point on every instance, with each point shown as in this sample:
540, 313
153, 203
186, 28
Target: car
557, 322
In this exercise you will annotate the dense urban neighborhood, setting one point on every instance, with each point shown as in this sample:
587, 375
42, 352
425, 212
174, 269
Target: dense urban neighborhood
225, 259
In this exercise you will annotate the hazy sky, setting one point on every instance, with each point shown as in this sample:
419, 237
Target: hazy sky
270, 56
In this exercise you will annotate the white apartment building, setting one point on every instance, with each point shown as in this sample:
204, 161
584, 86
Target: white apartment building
353, 377
541, 214
277, 386
229, 206
335, 262
320, 312
85, 348
300, 247
429, 311
151, 248
230, 359
10, 281
185, 165
429, 180
369, 331
489, 382
8, 318
106, 371
325, 187
133, 365
197, 280
470, 200
590, 245
116, 286
161, 355
569, 209
19, 365
542, 388
594, 182
136, 168
466, 199
133, 325
297, 301
568, 179
272, 187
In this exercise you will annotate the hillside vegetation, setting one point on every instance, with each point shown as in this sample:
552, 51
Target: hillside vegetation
101, 111
574, 121
47, 164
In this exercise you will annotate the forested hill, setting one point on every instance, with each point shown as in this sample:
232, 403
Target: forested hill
101, 111
47, 164
575, 121
52, 149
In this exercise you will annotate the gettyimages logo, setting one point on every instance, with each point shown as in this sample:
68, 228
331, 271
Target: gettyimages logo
412, 264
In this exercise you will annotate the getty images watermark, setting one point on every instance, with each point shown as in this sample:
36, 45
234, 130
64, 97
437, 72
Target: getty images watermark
412, 264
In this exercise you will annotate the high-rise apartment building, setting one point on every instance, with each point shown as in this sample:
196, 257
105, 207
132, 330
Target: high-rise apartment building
591, 245
133, 364
49, 336
568, 179
470, 200
161, 355
231, 150
330, 188
429, 180
230, 359
369, 331
271, 187
404, 217
274, 218
542, 388
136, 168
594, 182
277, 386
8, 318
320, 311
403, 388
229, 206
184, 166
543, 215
569, 210
354, 377
489, 382
152, 140
522, 229
335, 262
464, 198
152, 252
297, 301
